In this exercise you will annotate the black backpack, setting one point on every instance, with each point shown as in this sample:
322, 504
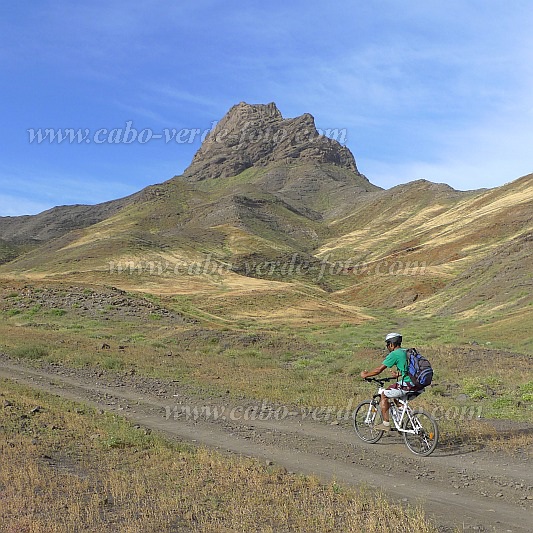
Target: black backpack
419, 369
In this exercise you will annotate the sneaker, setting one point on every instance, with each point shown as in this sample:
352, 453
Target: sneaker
382, 427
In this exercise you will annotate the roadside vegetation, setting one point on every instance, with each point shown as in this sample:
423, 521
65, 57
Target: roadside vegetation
91, 471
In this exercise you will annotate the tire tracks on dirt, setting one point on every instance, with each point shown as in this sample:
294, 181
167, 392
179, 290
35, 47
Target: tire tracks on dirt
472, 489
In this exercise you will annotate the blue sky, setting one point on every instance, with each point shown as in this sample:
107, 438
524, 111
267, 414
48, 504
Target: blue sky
424, 88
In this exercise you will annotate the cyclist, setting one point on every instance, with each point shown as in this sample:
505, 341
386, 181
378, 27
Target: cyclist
396, 357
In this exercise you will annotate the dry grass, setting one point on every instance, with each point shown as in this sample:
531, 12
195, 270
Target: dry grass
482, 434
66, 468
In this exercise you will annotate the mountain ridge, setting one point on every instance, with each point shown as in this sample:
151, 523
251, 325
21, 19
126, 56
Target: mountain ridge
351, 243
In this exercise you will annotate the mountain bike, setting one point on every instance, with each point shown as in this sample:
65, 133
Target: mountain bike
418, 428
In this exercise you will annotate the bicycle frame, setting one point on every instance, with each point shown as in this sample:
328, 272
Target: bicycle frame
397, 412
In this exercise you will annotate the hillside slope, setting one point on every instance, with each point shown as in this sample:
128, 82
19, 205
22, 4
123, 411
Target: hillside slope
285, 217
428, 239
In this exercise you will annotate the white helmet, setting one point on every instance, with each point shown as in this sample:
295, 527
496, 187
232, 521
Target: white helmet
395, 338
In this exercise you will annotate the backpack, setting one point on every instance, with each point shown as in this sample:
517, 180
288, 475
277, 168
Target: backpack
419, 369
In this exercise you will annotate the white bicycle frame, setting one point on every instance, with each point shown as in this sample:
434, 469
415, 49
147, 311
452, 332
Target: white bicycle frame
397, 413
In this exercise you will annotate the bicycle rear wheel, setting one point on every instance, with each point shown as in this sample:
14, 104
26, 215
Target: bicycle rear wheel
421, 433
367, 415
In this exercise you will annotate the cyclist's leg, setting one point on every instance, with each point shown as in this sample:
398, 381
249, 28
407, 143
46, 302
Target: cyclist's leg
394, 391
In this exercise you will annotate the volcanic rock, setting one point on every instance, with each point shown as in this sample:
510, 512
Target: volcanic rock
258, 135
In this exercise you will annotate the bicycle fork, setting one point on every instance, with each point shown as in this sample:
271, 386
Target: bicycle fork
371, 413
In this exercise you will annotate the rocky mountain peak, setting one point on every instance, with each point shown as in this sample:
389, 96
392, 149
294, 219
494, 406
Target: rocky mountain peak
258, 135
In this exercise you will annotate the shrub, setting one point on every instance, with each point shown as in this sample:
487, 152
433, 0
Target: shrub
31, 352
475, 388
112, 362
526, 391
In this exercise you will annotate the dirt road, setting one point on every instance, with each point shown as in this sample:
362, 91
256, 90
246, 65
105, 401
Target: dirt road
473, 489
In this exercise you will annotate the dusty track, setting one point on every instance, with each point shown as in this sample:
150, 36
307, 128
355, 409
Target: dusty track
461, 487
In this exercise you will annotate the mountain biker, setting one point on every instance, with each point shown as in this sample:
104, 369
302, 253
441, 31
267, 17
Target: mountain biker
396, 357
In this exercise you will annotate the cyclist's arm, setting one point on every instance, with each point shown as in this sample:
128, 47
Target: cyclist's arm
375, 372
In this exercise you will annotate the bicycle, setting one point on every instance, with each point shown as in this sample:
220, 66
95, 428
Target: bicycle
419, 429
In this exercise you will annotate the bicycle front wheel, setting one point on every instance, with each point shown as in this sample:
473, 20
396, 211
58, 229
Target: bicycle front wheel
367, 415
420, 433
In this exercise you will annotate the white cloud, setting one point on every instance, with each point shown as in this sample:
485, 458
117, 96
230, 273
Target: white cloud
482, 156
26, 192
11, 206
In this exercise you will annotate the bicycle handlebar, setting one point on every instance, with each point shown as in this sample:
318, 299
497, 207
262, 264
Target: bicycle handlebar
379, 380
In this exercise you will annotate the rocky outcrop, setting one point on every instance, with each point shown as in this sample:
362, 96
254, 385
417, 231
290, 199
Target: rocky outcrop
80, 301
258, 135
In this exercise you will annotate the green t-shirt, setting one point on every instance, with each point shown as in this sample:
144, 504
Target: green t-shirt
398, 357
